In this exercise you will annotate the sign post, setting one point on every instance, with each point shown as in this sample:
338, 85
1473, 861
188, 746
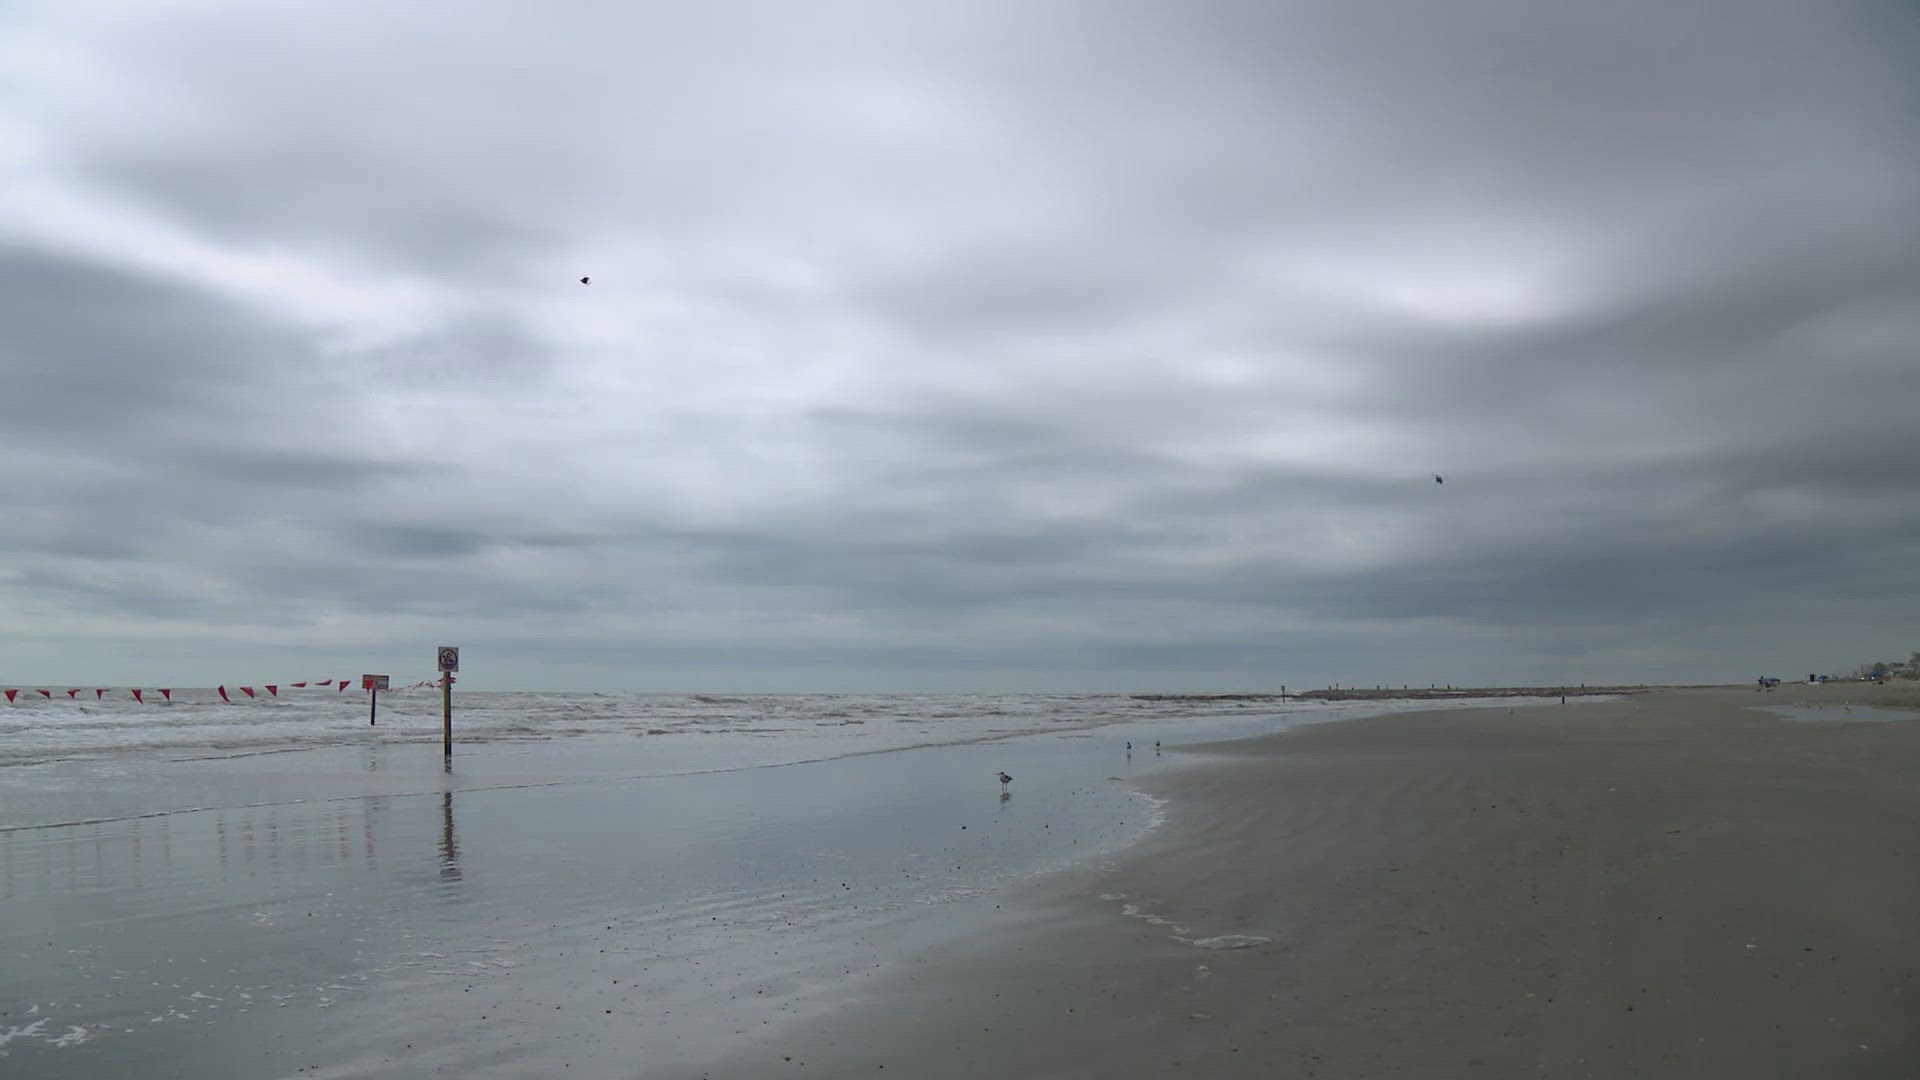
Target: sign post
449, 663
373, 684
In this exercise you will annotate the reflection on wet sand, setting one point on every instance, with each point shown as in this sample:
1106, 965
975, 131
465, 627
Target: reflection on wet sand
449, 846
197, 848
371, 811
223, 855
200, 917
258, 938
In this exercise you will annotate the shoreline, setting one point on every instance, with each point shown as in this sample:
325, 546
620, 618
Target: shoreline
1449, 693
1665, 884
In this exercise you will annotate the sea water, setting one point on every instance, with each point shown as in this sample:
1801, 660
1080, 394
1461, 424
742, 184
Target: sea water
597, 882
1838, 713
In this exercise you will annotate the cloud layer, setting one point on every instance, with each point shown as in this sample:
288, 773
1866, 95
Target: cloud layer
992, 346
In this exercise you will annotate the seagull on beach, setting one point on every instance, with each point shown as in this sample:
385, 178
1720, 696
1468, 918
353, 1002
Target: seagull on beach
1005, 780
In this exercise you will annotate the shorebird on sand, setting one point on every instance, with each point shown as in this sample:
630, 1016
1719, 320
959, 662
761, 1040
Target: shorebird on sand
1005, 780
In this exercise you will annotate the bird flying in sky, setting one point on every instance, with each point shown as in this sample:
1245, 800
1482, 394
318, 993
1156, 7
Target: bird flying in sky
585, 281
1437, 480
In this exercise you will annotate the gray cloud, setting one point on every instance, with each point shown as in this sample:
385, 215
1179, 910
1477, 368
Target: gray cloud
928, 346
95, 352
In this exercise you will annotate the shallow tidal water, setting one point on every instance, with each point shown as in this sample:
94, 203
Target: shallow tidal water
1837, 713
589, 905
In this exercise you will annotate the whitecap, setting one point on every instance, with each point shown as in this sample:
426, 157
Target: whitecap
1231, 941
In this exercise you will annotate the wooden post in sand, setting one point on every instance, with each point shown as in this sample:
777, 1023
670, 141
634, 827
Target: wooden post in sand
449, 663
373, 684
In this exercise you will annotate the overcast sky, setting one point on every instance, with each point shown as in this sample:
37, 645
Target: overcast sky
962, 345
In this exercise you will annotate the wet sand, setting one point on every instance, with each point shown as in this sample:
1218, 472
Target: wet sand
1450, 693
1671, 884
540, 915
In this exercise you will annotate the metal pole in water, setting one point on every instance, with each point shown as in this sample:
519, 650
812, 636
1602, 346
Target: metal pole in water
449, 657
373, 705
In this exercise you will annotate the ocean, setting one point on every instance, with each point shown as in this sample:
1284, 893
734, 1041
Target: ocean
598, 883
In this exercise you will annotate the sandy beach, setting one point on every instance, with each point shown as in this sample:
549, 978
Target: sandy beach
1672, 884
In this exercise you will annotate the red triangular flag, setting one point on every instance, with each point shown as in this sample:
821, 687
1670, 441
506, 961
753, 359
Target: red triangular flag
48, 694
342, 686
324, 682
166, 692
73, 693
10, 694
99, 693
137, 697
300, 684
248, 690
223, 695
272, 689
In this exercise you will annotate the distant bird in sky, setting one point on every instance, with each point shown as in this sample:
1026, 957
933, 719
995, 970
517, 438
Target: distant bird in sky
586, 281
1437, 480
1005, 780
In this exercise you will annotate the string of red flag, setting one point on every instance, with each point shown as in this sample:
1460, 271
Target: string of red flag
166, 692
